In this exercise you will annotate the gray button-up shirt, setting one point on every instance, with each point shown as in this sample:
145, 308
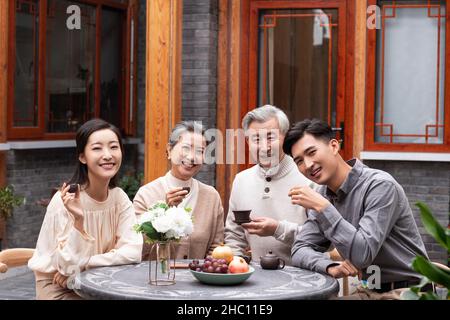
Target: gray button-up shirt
369, 222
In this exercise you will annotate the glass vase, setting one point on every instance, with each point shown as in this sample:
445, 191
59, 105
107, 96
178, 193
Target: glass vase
161, 264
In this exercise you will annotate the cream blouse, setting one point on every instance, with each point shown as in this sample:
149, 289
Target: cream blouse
109, 238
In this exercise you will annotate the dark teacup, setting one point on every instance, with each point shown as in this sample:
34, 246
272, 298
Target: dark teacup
242, 216
73, 188
187, 189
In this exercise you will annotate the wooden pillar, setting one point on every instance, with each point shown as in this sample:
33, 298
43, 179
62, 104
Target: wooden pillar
163, 81
229, 87
4, 21
360, 76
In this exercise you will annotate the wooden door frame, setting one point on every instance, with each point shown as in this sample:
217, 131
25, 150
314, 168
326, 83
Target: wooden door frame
345, 54
233, 76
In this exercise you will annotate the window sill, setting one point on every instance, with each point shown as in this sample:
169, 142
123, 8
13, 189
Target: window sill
405, 156
50, 144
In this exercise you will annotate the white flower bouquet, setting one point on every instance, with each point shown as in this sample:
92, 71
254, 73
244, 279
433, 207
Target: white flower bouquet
162, 223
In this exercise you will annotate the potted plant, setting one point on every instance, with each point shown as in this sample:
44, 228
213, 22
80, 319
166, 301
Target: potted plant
432, 272
130, 183
8, 201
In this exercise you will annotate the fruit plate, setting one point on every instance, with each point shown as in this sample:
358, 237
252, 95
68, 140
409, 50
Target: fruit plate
222, 279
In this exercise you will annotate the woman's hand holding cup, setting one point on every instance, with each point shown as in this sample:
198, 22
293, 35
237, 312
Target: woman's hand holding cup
72, 203
175, 196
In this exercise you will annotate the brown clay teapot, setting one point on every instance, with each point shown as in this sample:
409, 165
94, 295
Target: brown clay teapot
271, 261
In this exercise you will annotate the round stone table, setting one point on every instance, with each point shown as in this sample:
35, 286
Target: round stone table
131, 282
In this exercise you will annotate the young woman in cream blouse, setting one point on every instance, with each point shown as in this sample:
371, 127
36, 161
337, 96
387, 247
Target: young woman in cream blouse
92, 227
185, 150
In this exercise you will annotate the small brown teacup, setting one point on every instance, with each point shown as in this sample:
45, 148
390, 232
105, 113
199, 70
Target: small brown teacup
242, 216
187, 189
73, 188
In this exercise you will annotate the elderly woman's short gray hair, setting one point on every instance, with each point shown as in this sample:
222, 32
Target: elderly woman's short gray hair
183, 127
265, 113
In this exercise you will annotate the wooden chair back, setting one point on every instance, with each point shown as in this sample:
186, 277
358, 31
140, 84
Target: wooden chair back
14, 258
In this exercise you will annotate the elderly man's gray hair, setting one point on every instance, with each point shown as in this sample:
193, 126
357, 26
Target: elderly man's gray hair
265, 113
183, 127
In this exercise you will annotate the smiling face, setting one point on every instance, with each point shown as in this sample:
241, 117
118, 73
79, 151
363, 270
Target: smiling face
102, 155
265, 142
187, 155
316, 158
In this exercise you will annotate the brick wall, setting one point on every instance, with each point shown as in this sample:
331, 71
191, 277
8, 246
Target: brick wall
141, 49
34, 173
428, 182
199, 86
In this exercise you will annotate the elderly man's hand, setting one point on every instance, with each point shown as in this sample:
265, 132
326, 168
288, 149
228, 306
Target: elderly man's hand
308, 198
261, 226
344, 269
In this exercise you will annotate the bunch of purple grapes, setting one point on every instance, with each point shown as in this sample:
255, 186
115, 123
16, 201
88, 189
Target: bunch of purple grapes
210, 265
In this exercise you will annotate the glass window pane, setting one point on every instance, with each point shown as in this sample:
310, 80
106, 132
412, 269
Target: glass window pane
70, 68
112, 96
26, 69
410, 74
298, 62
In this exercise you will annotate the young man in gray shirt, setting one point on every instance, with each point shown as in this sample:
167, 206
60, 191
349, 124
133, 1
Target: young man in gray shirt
364, 213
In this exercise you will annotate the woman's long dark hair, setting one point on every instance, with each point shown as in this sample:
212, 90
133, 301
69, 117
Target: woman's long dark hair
83, 133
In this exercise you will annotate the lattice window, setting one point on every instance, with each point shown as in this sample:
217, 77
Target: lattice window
297, 54
408, 109
60, 77
26, 61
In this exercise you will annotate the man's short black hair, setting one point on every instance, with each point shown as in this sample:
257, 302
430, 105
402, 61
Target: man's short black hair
315, 127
